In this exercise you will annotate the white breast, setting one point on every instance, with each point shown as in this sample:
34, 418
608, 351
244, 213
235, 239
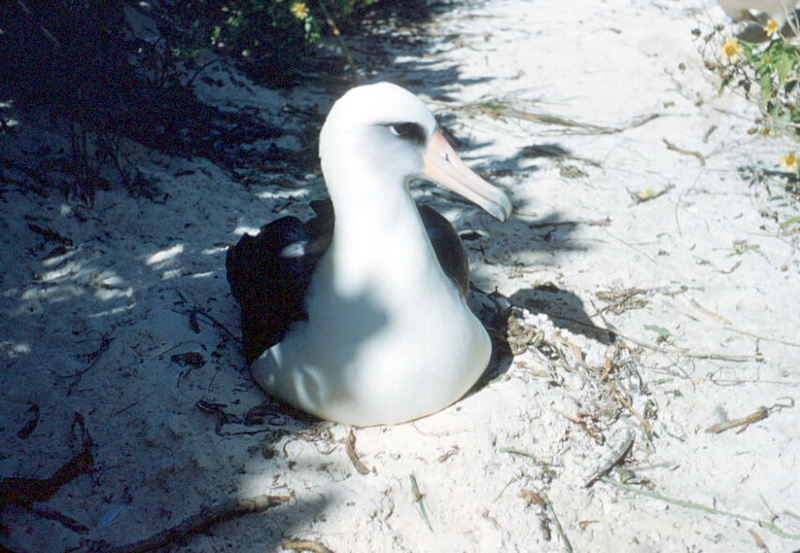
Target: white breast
386, 341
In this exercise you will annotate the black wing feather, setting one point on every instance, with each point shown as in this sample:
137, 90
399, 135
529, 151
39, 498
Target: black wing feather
448, 247
269, 273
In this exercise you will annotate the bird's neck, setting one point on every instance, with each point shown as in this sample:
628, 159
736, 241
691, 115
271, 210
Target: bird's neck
378, 235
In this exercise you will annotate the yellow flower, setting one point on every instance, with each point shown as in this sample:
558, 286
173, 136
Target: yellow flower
731, 49
789, 162
299, 10
771, 28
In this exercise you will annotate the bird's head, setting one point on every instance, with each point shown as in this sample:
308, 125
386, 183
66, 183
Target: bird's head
384, 129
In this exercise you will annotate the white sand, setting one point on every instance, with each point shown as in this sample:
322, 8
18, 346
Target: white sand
137, 270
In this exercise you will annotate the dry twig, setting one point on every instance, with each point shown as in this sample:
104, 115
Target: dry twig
623, 300
670, 146
351, 453
759, 542
625, 402
306, 545
678, 351
196, 524
587, 422
65, 521
502, 109
27, 491
760, 414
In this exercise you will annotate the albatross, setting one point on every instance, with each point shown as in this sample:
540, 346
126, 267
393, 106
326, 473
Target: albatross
359, 315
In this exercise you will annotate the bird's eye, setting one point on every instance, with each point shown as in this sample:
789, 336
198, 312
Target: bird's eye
409, 131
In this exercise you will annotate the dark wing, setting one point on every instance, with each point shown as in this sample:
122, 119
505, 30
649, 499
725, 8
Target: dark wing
448, 247
269, 274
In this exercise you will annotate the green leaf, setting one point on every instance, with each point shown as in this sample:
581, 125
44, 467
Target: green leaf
765, 82
783, 65
790, 221
660, 330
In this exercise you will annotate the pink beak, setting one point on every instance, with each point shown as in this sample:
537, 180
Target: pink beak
443, 166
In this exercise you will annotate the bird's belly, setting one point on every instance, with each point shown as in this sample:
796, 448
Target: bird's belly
378, 368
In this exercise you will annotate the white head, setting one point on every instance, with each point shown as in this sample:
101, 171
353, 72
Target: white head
382, 129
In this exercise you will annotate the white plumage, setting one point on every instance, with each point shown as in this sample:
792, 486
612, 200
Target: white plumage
389, 336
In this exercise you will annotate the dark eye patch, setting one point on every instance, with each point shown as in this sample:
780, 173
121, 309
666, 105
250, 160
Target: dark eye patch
409, 131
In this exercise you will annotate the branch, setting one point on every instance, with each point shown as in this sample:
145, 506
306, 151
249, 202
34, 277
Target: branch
196, 524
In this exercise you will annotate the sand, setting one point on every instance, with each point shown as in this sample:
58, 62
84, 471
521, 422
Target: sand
644, 210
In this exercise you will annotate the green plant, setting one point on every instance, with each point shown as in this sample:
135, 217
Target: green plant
769, 71
276, 34
774, 68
